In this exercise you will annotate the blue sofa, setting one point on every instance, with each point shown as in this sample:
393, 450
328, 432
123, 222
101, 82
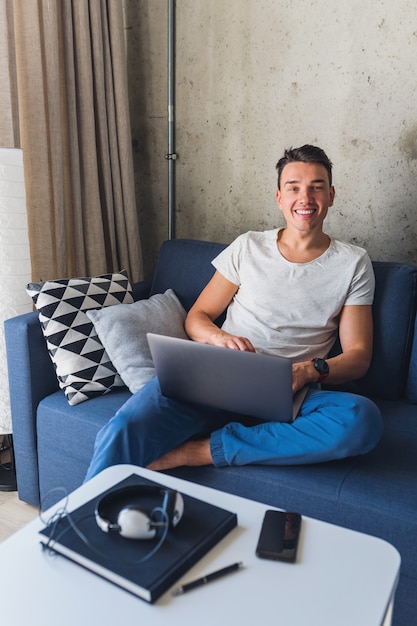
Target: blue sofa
374, 494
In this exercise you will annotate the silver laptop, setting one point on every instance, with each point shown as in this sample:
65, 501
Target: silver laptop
243, 382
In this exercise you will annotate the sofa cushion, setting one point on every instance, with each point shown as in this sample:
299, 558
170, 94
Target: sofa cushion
82, 365
66, 445
374, 493
122, 331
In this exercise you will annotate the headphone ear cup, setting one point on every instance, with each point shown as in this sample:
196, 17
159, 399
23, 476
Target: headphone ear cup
135, 524
178, 509
173, 505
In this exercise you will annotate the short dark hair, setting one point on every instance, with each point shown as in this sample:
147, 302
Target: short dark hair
305, 154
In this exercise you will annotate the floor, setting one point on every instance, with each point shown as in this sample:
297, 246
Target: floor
14, 513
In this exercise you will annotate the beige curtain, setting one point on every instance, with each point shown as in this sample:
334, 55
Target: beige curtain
9, 119
73, 120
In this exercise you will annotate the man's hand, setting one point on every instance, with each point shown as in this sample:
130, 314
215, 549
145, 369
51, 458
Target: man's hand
303, 374
226, 340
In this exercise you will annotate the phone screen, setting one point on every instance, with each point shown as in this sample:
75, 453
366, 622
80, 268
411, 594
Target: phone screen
279, 536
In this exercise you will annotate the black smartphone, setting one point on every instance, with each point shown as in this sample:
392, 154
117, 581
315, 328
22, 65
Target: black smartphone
279, 536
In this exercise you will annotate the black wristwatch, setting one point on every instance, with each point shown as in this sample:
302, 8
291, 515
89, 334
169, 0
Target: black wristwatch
322, 368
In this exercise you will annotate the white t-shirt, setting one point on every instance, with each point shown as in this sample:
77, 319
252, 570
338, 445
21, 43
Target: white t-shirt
292, 309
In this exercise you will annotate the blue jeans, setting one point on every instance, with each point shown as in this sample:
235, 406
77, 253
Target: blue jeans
331, 425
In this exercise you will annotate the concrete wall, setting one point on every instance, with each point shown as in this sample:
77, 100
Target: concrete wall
256, 76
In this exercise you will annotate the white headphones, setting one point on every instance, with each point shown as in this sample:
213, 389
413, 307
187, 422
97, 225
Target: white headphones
120, 512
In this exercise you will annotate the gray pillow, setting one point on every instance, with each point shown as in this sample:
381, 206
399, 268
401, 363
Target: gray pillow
122, 331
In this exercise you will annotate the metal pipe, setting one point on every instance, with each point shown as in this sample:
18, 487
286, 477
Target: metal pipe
171, 156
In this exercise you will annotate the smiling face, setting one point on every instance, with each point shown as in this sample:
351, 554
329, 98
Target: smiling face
305, 195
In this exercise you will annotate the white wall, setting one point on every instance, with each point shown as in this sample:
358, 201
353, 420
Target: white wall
256, 76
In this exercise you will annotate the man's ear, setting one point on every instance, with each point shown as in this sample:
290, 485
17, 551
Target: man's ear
278, 197
332, 195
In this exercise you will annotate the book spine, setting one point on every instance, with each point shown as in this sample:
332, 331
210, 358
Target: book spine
101, 571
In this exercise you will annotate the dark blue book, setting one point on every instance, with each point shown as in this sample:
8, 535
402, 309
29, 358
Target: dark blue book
126, 562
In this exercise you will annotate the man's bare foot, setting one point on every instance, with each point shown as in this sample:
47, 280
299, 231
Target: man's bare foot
189, 453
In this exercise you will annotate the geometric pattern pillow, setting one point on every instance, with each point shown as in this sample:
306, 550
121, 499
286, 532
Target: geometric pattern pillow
82, 365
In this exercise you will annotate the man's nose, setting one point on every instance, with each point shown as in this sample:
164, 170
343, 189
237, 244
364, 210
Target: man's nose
305, 195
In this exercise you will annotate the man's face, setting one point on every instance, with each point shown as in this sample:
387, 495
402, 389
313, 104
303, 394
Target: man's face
305, 195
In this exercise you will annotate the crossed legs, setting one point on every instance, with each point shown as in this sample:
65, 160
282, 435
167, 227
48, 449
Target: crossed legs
153, 431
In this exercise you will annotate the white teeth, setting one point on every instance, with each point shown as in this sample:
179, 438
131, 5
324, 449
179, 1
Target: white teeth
305, 211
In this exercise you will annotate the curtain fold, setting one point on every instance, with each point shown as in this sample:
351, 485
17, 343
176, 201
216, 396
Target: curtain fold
9, 118
75, 134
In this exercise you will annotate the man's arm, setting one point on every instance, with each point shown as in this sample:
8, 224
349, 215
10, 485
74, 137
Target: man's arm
211, 303
356, 338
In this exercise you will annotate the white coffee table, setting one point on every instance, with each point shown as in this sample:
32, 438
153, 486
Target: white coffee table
341, 577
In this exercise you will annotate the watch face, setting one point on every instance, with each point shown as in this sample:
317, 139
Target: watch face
321, 366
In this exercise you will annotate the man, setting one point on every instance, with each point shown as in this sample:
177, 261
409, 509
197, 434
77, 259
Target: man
287, 292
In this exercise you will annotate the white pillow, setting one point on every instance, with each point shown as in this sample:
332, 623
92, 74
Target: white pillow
122, 331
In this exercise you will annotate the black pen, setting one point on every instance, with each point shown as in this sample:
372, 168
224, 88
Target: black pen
206, 579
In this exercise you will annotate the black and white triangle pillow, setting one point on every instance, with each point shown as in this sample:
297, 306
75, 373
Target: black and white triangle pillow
82, 365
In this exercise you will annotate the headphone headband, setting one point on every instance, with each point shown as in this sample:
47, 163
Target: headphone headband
120, 511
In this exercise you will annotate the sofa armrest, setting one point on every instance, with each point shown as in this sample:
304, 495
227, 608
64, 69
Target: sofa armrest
31, 378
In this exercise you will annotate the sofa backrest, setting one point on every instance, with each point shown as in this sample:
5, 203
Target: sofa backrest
411, 389
394, 312
184, 265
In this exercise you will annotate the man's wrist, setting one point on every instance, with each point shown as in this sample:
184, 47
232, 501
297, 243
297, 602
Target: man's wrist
322, 368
